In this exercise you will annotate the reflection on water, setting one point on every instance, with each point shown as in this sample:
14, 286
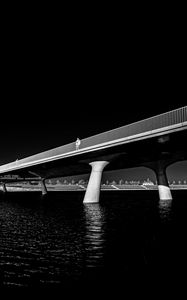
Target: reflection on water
165, 209
95, 233
61, 241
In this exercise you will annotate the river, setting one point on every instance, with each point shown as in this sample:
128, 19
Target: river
57, 241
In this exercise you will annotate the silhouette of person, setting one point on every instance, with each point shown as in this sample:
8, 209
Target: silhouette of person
78, 142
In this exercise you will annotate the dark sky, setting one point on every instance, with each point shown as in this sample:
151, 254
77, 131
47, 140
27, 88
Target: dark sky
58, 84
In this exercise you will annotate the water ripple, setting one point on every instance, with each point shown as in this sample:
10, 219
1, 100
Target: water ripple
60, 242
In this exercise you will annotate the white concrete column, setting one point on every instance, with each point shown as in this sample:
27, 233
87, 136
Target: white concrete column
4, 189
162, 181
43, 187
93, 189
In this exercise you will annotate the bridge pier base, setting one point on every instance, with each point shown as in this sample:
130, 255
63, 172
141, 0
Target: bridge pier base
93, 189
162, 181
4, 189
43, 187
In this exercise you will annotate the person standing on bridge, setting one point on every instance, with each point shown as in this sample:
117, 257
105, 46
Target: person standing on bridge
78, 142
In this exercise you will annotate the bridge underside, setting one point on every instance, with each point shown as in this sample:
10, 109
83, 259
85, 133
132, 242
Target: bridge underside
145, 152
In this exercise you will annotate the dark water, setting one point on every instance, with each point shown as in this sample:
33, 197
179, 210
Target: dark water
130, 237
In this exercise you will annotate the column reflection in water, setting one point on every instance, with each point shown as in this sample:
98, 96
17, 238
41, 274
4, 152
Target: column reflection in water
165, 209
94, 235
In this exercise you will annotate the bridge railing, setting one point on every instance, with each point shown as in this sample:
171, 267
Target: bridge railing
177, 116
36, 157
170, 118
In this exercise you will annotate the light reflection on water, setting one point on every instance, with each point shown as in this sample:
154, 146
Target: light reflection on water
62, 241
95, 234
165, 209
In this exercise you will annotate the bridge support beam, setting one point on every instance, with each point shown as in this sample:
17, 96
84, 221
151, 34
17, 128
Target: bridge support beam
4, 189
94, 185
43, 187
162, 181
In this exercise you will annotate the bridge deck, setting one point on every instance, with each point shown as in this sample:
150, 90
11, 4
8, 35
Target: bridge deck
163, 123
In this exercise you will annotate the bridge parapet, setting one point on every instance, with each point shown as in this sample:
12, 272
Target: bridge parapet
175, 118
171, 118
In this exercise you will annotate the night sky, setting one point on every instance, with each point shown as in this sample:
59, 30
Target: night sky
58, 85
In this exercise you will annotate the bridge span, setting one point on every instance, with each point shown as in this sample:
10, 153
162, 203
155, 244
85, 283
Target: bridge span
155, 143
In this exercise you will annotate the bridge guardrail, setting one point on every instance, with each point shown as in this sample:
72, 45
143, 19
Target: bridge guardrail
163, 120
177, 116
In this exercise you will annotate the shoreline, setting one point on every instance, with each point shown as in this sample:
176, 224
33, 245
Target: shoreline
75, 188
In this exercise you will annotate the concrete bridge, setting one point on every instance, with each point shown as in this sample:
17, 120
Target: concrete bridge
156, 143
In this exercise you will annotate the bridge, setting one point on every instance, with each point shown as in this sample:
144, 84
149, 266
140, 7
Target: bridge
155, 142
